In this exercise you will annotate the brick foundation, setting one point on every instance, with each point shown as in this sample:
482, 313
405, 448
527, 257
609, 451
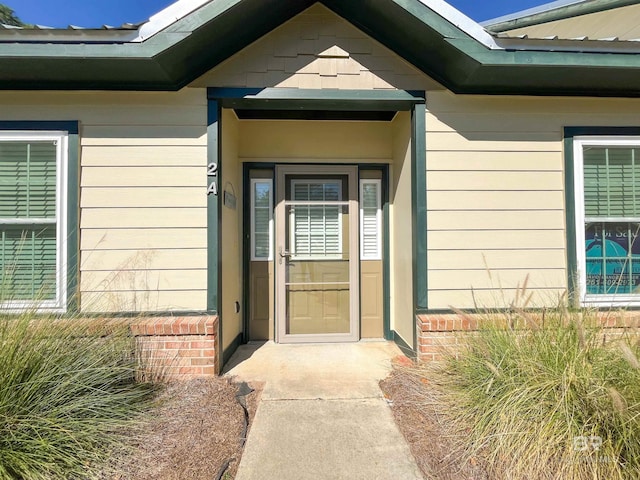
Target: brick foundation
438, 333
178, 347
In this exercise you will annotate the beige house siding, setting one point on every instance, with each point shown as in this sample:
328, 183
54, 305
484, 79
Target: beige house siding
495, 176
143, 205
299, 141
495, 194
317, 49
231, 248
618, 22
401, 231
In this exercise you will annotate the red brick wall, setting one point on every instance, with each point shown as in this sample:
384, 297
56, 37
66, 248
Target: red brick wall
438, 333
178, 347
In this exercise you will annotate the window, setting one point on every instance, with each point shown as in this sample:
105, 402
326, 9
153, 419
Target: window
608, 219
316, 218
33, 168
261, 219
370, 220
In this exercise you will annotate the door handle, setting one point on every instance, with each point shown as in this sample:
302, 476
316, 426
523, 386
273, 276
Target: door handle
284, 254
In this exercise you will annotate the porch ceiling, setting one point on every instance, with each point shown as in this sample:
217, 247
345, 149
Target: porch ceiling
453, 54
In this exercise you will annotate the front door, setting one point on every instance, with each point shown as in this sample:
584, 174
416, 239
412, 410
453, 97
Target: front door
317, 286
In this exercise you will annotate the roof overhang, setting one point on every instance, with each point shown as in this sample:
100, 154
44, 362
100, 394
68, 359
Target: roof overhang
430, 34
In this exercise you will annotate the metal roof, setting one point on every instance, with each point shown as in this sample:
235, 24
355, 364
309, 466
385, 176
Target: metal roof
530, 12
551, 12
135, 32
190, 37
73, 33
613, 25
125, 26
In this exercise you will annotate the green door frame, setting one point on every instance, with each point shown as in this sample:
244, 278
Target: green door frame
303, 100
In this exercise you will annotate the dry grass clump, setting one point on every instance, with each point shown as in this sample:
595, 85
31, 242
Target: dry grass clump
68, 395
546, 397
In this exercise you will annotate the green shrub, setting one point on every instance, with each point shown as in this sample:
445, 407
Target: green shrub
548, 399
68, 392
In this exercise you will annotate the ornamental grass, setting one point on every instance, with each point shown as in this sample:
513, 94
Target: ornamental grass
68, 395
548, 395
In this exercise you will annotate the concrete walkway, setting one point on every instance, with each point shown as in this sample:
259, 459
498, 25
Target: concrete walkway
322, 414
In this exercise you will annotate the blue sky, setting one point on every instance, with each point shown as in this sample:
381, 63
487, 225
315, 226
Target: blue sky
94, 13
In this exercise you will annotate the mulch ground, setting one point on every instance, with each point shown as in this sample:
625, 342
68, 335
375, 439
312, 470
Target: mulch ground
421, 416
194, 430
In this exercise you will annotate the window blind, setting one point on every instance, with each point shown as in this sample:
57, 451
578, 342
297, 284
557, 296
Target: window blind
28, 180
28, 247
262, 213
370, 220
317, 229
611, 177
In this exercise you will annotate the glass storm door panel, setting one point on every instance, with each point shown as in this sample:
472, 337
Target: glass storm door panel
317, 254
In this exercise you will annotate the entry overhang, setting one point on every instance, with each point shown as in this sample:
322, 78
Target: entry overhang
316, 100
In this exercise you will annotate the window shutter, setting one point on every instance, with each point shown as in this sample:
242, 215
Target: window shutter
370, 220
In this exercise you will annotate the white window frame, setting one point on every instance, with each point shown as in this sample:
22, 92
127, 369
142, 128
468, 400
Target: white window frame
292, 220
255, 181
378, 254
617, 300
59, 304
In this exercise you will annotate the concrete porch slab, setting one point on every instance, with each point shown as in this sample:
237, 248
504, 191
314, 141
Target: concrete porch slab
311, 371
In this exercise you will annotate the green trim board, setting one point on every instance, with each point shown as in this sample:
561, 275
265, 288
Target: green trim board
403, 346
419, 207
386, 254
319, 115
423, 36
570, 216
73, 195
214, 216
413, 101
73, 219
569, 164
246, 256
230, 350
277, 100
150, 314
213, 208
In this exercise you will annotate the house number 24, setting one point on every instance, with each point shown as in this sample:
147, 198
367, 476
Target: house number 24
212, 171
